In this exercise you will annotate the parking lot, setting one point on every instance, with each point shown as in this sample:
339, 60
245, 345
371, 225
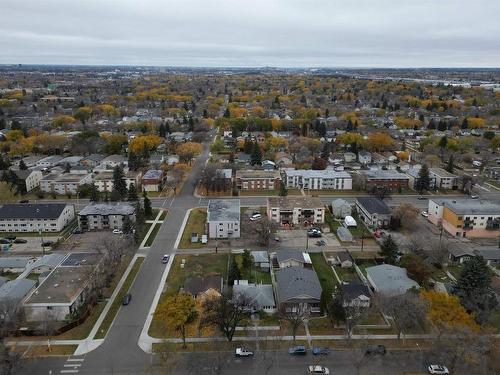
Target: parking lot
297, 239
32, 245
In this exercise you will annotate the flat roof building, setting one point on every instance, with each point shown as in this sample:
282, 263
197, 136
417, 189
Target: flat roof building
223, 217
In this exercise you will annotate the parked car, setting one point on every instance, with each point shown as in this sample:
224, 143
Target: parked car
117, 231
242, 352
314, 233
10, 238
47, 243
126, 299
20, 240
4, 241
375, 349
255, 217
438, 370
297, 350
424, 214
204, 239
320, 243
473, 196
77, 231
318, 369
24, 201
320, 351
165, 259
421, 198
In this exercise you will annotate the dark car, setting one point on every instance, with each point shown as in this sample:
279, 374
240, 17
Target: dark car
3, 241
24, 201
297, 350
20, 240
10, 238
375, 349
77, 231
320, 351
47, 243
126, 299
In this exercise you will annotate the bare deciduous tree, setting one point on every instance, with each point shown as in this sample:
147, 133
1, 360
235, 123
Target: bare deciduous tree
294, 315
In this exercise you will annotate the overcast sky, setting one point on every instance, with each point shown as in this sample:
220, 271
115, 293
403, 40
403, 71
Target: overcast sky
285, 33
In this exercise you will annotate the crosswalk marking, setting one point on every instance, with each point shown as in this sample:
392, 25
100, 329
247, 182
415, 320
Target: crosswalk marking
69, 371
75, 360
72, 365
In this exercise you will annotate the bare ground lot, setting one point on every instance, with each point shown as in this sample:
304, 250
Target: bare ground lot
90, 241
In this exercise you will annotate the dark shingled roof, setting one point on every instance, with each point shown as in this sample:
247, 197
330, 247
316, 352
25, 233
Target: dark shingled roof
31, 211
374, 205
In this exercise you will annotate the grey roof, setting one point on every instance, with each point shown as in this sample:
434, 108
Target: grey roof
442, 172
390, 280
489, 254
16, 290
353, 290
3, 280
32, 210
299, 282
344, 234
114, 159
23, 174
50, 260
312, 173
14, 262
223, 210
258, 173
115, 208
339, 202
467, 206
153, 174
286, 254
384, 175
94, 157
260, 256
200, 284
259, 294
373, 205
460, 251
289, 203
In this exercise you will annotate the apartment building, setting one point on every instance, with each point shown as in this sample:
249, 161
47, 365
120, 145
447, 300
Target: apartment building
223, 218
103, 216
444, 179
104, 180
66, 183
290, 211
380, 178
258, 180
465, 217
327, 179
27, 217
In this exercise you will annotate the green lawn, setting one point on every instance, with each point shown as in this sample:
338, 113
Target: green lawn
10, 275
324, 272
364, 265
117, 303
253, 275
195, 224
455, 270
163, 214
152, 236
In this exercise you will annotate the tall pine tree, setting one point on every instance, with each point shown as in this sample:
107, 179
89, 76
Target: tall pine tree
389, 250
119, 183
424, 180
148, 210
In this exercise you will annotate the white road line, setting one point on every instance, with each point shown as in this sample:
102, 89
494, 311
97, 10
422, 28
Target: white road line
72, 365
69, 371
75, 359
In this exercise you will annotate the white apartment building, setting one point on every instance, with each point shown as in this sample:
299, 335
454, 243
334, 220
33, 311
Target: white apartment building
49, 161
26, 217
66, 183
327, 179
289, 211
444, 179
223, 217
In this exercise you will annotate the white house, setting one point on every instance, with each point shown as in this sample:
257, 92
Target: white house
223, 217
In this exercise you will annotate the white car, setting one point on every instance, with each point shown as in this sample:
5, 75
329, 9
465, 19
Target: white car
117, 231
255, 217
318, 370
242, 352
424, 214
438, 370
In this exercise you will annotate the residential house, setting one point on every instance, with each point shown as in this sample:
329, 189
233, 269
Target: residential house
389, 280
64, 291
349, 157
341, 208
71, 160
444, 179
223, 217
112, 161
103, 216
380, 178
153, 180
204, 287
460, 254
268, 165
91, 161
49, 161
283, 160
257, 179
14, 264
293, 258
259, 296
242, 158
345, 259
261, 259
66, 183
355, 295
30, 161
309, 179
364, 157
465, 217
373, 211
298, 288
35, 217
491, 255
104, 181
296, 210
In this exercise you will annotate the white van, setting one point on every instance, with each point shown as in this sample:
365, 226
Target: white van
255, 217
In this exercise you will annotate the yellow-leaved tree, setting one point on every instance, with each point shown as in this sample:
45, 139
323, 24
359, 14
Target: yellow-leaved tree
188, 150
144, 142
177, 311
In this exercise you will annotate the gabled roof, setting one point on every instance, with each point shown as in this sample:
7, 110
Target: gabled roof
32, 210
353, 290
260, 256
390, 280
283, 255
259, 294
14, 262
199, 284
373, 205
297, 282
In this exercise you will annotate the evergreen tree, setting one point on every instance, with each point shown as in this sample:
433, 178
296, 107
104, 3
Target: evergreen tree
162, 131
94, 193
128, 226
389, 250
139, 214
234, 272
148, 210
449, 166
247, 260
247, 146
134, 161
106, 197
191, 124
119, 183
283, 190
474, 288
256, 156
325, 153
115, 196
67, 168
22, 165
465, 123
132, 193
227, 114
4, 164
424, 180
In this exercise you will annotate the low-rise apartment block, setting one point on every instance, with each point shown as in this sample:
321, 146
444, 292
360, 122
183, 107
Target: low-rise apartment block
444, 179
66, 183
104, 216
27, 217
104, 180
257, 180
223, 217
327, 179
465, 217
380, 178
290, 211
